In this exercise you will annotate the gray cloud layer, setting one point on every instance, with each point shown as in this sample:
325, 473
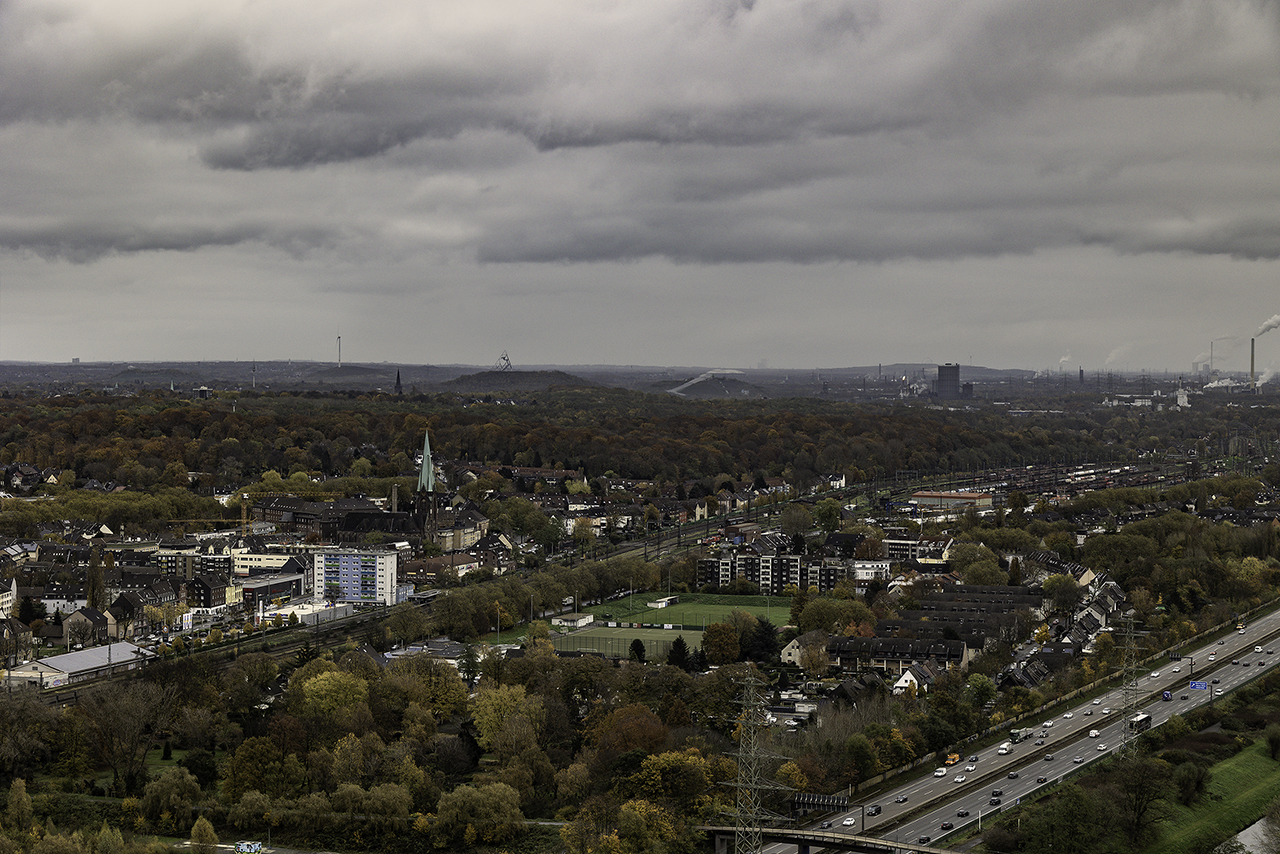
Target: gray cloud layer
704, 133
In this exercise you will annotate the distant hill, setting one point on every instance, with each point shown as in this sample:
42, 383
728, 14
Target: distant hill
349, 372
718, 387
496, 382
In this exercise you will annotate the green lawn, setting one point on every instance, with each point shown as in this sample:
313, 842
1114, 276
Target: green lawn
1239, 793
694, 609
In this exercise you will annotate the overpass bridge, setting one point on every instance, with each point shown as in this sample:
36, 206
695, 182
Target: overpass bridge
804, 840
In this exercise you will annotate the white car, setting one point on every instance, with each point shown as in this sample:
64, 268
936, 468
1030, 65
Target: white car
1068, 715
1078, 760
1257, 649
1097, 702
971, 767
959, 778
1046, 724
1217, 692
1107, 711
1155, 674
1177, 670
849, 822
1101, 747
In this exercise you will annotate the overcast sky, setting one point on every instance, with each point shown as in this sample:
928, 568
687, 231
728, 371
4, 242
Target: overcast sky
803, 183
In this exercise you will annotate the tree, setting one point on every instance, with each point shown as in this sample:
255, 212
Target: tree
983, 688
493, 706
123, 723
678, 655
18, 815
827, 514
175, 792
1142, 787
1191, 780
1272, 736
796, 519
720, 643
95, 585
326, 693
636, 651
760, 642
407, 623
814, 659
1063, 592
204, 839
489, 813
1069, 824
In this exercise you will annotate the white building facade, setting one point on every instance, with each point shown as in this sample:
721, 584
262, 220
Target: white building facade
356, 576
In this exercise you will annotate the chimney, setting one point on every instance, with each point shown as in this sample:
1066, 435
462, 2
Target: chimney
1253, 385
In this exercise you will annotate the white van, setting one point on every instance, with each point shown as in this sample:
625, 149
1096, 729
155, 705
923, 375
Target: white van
1093, 733
940, 772
1004, 748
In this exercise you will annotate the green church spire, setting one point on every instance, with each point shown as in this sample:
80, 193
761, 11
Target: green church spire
427, 473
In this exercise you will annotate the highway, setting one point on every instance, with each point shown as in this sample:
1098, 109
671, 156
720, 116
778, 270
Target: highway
1027, 768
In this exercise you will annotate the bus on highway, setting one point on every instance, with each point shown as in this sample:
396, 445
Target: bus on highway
1140, 723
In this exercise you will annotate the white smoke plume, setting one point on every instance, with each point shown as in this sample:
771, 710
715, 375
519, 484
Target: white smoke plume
1203, 357
1114, 355
1224, 383
1266, 375
1065, 359
1269, 325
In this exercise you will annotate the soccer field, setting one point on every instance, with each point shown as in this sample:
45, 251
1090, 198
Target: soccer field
699, 612
616, 642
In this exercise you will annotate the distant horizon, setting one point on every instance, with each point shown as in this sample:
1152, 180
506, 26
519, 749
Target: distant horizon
517, 367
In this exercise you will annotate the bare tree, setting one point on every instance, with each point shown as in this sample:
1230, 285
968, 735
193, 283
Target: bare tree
124, 721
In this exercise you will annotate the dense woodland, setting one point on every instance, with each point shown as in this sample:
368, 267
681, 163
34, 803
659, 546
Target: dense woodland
631, 754
152, 441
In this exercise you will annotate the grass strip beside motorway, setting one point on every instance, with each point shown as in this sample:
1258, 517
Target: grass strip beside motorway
1239, 793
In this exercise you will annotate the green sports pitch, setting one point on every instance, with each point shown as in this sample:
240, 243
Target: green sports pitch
616, 642
693, 610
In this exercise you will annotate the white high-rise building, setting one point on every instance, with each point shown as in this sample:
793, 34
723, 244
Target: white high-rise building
355, 576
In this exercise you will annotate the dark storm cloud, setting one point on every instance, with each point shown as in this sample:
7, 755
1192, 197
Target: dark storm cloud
380, 151
85, 242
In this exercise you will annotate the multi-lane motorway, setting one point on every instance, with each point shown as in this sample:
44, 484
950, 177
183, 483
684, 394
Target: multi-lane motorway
1031, 765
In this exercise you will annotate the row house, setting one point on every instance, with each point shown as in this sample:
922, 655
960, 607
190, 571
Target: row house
895, 655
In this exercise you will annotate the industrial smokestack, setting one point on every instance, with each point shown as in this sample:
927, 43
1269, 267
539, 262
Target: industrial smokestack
1253, 386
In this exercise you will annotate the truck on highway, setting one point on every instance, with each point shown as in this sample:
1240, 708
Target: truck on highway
1004, 748
1140, 723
